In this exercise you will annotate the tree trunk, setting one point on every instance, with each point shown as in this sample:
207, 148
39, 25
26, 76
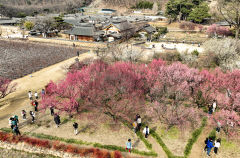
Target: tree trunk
237, 32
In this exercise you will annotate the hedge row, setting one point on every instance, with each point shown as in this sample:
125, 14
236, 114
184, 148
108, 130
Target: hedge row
189, 145
196, 133
163, 145
74, 141
93, 152
113, 147
145, 141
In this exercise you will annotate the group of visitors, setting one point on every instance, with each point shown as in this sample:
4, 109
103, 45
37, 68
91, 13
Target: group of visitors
13, 122
212, 108
137, 127
24, 115
209, 145
57, 120
30, 95
209, 141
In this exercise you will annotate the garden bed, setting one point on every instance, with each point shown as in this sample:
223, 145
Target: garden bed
20, 58
56, 148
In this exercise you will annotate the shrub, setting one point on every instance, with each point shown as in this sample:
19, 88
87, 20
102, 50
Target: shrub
162, 30
71, 149
117, 154
195, 53
169, 56
28, 25
187, 26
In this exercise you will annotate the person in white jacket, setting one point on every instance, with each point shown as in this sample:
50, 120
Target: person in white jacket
30, 95
214, 105
36, 95
146, 131
217, 145
139, 122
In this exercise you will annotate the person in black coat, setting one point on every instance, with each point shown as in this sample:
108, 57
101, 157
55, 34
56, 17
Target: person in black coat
75, 126
57, 120
52, 111
33, 115
36, 105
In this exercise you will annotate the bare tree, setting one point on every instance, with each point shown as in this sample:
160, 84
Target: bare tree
6, 87
45, 25
124, 52
226, 52
230, 11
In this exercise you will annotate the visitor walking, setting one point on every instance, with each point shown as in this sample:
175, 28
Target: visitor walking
30, 95
33, 115
217, 145
218, 127
75, 126
57, 119
36, 105
206, 142
10, 122
52, 111
135, 126
16, 130
24, 114
210, 109
146, 131
13, 123
36, 95
214, 105
139, 122
16, 118
43, 92
129, 145
209, 146
78, 53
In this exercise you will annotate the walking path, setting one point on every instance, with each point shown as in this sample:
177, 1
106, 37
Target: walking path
156, 147
197, 149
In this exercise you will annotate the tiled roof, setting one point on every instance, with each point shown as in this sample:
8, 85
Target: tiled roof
84, 31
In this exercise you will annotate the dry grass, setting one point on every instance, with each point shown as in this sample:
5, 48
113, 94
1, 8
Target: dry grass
201, 37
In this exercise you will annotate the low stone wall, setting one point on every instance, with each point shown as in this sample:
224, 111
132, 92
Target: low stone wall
38, 150
93, 45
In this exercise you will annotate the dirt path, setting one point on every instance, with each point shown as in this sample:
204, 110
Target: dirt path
38, 80
197, 149
157, 148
